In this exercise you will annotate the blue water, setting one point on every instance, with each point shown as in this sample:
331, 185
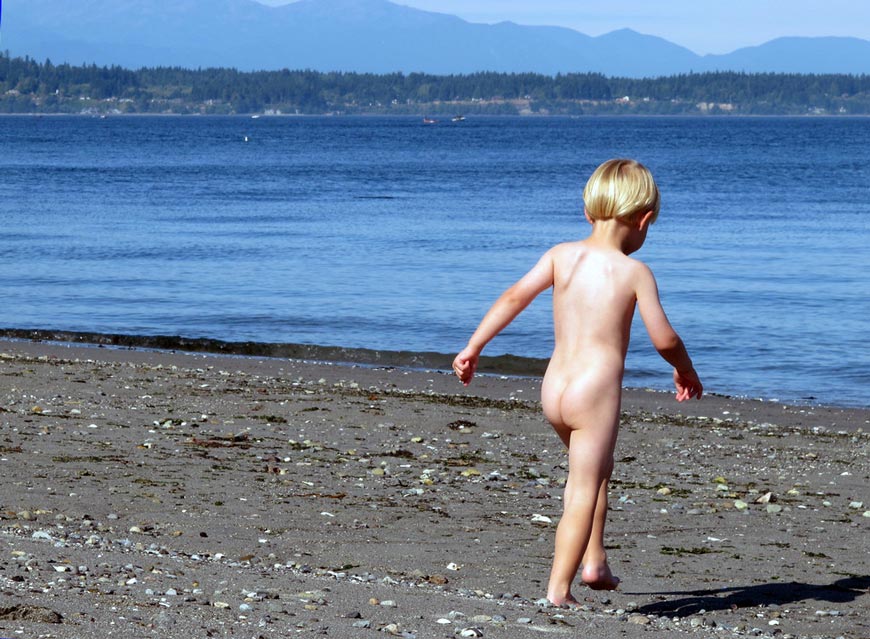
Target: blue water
385, 233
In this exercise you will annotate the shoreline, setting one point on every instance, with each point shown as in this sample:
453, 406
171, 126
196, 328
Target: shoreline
417, 116
159, 493
497, 365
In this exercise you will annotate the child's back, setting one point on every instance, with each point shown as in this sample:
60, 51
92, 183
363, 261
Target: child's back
593, 304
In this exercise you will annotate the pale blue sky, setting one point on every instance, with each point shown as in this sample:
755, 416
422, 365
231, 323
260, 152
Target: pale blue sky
704, 26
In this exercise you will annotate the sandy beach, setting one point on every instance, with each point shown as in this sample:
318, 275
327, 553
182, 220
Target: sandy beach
167, 494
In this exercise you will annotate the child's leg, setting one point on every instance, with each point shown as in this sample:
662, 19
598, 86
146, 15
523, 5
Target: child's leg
596, 573
590, 460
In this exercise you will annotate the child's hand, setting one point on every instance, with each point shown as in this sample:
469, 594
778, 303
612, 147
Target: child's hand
688, 385
465, 365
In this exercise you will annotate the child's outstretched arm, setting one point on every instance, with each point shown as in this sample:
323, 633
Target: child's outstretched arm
665, 338
506, 308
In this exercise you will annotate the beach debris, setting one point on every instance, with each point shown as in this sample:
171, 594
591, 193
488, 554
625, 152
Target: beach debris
33, 614
766, 498
453, 566
541, 520
471, 632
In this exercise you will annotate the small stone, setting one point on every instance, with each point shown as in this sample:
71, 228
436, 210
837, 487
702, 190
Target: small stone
220, 604
765, 498
739, 504
696, 622
374, 602
365, 623
773, 508
452, 566
664, 490
866, 513
443, 621
640, 620
388, 603
857, 505
470, 472
245, 608
470, 632
480, 619
541, 520
524, 620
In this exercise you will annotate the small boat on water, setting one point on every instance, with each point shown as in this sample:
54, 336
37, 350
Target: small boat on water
429, 121
459, 118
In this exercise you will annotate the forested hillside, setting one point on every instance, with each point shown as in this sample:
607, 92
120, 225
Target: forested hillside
27, 86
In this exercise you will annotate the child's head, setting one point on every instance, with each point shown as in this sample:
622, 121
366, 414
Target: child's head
620, 189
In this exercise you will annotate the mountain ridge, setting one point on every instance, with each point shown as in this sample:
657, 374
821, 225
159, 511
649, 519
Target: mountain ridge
375, 36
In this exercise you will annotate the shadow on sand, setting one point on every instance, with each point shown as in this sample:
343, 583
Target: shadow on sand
693, 601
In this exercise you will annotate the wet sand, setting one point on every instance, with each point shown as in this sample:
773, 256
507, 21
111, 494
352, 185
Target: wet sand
170, 494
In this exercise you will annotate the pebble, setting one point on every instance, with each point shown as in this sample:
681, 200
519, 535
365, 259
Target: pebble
739, 504
470, 632
640, 620
524, 620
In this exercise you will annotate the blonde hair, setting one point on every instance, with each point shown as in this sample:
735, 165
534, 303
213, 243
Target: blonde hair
620, 189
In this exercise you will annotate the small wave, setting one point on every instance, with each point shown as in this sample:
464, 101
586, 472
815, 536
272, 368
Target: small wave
500, 364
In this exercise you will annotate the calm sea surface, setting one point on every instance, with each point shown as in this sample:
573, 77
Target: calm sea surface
386, 233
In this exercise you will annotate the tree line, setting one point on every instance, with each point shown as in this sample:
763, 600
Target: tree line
29, 86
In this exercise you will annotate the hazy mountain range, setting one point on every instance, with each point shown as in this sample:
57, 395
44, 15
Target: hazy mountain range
371, 36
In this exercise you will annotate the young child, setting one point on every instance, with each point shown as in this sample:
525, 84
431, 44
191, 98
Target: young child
596, 287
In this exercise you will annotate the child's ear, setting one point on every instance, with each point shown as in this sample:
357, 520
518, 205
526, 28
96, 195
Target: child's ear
643, 221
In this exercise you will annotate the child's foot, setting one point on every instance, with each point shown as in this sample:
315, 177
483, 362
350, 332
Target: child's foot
599, 577
567, 601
